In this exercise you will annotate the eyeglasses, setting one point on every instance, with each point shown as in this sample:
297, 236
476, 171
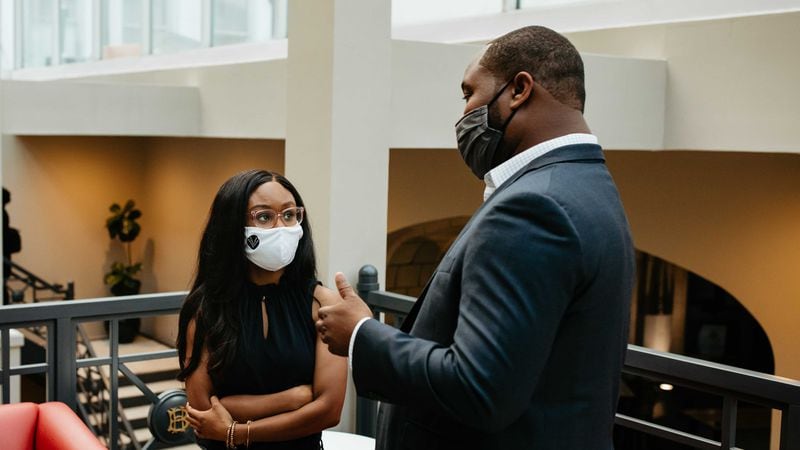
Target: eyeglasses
267, 218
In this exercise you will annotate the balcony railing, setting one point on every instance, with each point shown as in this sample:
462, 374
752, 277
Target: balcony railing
734, 385
62, 318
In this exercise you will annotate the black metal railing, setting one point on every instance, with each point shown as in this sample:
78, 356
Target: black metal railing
734, 385
23, 286
62, 321
28, 281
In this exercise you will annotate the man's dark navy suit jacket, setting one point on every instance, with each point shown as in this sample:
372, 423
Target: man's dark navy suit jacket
522, 330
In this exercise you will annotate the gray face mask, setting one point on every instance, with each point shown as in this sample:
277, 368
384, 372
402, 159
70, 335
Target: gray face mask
478, 142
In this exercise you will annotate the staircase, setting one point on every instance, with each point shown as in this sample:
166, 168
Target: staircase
158, 374
22, 286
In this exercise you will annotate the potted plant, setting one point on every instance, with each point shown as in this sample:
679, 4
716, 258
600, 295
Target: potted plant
122, 224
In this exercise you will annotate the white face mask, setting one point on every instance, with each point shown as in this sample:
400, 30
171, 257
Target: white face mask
272, 249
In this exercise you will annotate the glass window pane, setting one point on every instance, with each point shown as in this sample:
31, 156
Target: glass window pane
38, 33
76, 31
238, 21
6, 36
548, 3
122, 28
406, 12
177, 25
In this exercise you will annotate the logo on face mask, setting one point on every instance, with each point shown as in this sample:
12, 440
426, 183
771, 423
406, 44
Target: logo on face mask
252, 241
274, 248
478, 142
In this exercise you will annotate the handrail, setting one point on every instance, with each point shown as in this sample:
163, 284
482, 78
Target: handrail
89, 310
731, 383
773, 391
62, 320
35, 282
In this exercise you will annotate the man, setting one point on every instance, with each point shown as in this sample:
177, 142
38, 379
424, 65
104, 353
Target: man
518, 340
11, 244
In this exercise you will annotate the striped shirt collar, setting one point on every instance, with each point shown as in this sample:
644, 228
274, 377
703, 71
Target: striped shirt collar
500, 174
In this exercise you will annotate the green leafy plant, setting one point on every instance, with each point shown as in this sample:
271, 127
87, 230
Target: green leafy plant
122, 224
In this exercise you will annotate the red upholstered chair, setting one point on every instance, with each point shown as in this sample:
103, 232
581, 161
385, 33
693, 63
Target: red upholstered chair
47, 426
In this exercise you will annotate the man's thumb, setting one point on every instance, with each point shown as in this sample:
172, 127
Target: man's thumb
343, 286
214, 400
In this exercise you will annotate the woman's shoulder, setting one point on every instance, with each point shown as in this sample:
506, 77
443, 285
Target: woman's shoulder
324, 296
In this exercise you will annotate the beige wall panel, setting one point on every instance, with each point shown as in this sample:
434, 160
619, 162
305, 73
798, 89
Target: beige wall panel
427, 185
729, 217
61, 188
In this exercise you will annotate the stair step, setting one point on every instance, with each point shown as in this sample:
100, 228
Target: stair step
132, 414
141, 344
159, 375
131, 391
143, 435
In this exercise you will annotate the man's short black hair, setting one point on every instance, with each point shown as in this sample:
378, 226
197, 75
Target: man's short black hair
549, 57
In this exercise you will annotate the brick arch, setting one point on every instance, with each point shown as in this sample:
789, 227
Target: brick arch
415, 251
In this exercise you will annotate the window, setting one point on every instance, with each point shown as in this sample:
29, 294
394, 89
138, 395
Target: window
7, 50
177, 25
122, 28
76, 30
237, 21
39, 33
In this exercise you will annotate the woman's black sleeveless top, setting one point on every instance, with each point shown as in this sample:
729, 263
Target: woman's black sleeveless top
283, 360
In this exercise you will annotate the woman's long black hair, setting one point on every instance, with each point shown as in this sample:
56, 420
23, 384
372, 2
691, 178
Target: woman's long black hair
221, 275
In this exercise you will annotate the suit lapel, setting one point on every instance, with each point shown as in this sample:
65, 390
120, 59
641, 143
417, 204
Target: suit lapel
569, 153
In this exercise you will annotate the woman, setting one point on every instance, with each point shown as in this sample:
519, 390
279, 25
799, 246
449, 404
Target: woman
255, 370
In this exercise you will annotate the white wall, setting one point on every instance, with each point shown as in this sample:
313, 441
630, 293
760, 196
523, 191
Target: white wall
731, 84
244, 100
249, 99
82, 108
624, 108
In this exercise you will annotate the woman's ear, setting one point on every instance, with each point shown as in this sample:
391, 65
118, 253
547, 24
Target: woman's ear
522, 89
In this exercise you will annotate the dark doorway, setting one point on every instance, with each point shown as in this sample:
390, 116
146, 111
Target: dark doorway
705, 322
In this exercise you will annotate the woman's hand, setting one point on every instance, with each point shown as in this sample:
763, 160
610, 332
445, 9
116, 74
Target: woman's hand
212, 423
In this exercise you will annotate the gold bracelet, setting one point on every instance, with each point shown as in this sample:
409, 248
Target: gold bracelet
228, 436
231, 443
247, 444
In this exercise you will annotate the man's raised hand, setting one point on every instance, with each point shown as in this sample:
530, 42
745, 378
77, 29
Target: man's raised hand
336, 322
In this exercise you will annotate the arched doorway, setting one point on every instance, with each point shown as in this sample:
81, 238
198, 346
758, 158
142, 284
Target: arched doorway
676, 310
414, 252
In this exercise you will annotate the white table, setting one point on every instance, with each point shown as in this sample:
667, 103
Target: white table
336, 440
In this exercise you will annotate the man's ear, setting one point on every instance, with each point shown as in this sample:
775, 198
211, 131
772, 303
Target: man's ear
522, 89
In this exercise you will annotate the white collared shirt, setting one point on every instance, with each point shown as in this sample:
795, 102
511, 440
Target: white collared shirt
500, 174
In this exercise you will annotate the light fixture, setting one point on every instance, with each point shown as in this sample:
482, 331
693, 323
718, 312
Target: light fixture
665, 387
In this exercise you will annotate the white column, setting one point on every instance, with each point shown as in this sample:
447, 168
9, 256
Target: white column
337, 133
17, 342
